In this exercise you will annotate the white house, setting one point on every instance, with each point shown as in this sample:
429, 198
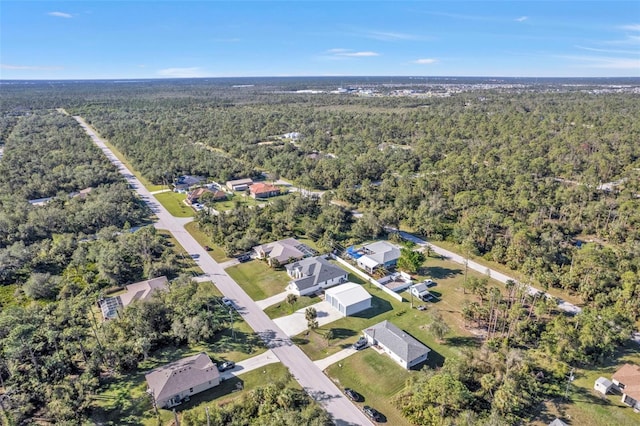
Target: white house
401, 347
603, 385
348, 298
312, 274
627, 379
239, 184
172, 383
420, 290
380, 254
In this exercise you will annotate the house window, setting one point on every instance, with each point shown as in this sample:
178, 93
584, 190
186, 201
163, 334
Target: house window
190, 390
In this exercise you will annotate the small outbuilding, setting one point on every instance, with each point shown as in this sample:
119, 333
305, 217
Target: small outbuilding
603, 385
348, 298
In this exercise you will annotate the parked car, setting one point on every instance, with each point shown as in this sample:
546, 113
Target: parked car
429, 283
227, 365
360, 344
372, 413
428, 297
421, 308
227, 301
353, 395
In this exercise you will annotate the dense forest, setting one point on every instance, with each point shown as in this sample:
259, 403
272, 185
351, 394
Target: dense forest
545, 182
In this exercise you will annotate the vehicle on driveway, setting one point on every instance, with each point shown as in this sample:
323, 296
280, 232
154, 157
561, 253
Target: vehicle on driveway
360, 344
227, 365
429, 283
353, 395
372, 413
227, 301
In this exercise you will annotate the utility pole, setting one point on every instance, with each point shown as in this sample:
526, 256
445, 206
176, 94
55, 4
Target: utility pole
569, 380
206, 410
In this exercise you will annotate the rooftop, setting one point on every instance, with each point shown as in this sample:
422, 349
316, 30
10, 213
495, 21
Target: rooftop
396, 340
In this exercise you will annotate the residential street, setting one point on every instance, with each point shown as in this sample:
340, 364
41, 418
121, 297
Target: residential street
310, 377
563, 305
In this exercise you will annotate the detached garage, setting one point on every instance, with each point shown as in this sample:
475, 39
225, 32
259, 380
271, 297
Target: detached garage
348, 299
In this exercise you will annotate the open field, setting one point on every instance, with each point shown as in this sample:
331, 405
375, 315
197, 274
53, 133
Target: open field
377, 378
216, 252
174, 203
259, 280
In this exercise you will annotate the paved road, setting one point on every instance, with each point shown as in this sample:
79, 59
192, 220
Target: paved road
563, 305
310, 377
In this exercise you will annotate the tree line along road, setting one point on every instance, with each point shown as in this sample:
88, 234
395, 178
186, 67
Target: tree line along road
310, 377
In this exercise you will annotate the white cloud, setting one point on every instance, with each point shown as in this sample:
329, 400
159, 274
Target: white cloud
189, 72
28, 67
425, 61
632, 27
389, 36
351, 54
360, 54
522, 18
607, 62
60, 15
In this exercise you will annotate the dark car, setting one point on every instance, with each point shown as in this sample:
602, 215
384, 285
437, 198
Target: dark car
227, 365
353, 395
372, 413
360, 344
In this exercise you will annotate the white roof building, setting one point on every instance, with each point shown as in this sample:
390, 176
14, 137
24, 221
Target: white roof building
379, 254
348, 298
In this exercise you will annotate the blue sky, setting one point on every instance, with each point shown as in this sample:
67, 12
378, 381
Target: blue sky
159, 39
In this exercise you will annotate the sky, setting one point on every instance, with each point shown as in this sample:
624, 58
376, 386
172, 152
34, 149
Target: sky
167, 39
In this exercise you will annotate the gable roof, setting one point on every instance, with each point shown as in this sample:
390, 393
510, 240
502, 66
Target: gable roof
143, 290
420, 288
197, 193
245, 181
557, 422
315, 270
349, 293
382, 252
181, 375
629, 376
399, 342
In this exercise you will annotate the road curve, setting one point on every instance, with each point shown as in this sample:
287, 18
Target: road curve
310, 377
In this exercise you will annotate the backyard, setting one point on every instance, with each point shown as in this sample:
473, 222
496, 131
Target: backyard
258, 279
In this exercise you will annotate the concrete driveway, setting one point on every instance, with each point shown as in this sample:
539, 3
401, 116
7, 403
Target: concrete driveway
296, 323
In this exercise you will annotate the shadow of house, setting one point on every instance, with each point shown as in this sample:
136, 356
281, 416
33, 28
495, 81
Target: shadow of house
438, 272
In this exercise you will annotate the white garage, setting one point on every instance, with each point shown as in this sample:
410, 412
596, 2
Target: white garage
348, 298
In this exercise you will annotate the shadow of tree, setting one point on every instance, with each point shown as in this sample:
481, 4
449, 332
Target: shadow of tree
378, 306
464, 341
438, 272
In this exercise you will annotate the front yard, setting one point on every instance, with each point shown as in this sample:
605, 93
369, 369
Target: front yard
174, 203
258, 279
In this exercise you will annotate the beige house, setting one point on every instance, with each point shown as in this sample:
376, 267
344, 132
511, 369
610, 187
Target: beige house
142, 290
171, 384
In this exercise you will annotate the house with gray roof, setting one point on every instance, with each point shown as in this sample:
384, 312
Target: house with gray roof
312, 274
171, 384
142, 291
381, 254
400, 346
284, 251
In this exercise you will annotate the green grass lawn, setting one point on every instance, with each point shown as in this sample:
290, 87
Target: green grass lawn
216, 252
507, 271
587, 406
283, 308
378, 378
174, 203
123, 399
258, 280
